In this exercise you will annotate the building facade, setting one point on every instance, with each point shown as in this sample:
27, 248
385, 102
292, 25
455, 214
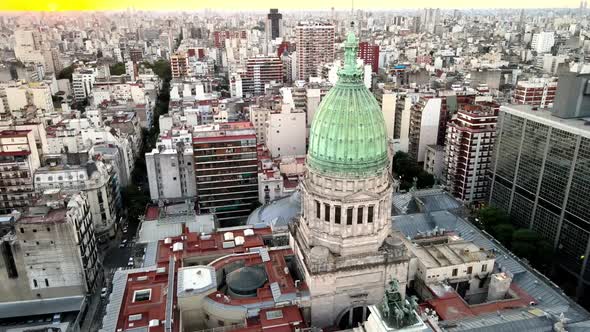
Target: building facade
315, 48
261, 70
369, 53
170, 169
540, 176
226, 170
468, 151
51, 252
538, 93
99, 183
19, 158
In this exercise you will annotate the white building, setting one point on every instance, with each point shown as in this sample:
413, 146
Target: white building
99, 183
170, 168
285, 131
82, 83
424, 125
434, 160
543, 41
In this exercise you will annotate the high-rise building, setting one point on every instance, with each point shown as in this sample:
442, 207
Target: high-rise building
19, 158
179, 65
274, 24
468, 151
537, 92
226, 168
315, 48
370, 55
261, 70
540, 176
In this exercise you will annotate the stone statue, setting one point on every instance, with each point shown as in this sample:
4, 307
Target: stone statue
396, 311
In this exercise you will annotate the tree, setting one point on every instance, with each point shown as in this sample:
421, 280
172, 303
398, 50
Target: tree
135, 200
503, 233
66, 73
117, 69
491, 216
425, 180
524, 243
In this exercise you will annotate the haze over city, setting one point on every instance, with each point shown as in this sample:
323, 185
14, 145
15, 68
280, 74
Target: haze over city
233, 166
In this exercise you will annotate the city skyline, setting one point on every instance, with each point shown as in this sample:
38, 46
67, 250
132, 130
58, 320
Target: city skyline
177, 5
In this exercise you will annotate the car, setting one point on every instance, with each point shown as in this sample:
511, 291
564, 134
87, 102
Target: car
124, 230
103, 292
122, 245
131, 259
124, 241
130, 264
56, 319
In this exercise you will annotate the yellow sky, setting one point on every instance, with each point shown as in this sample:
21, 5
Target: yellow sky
64, 5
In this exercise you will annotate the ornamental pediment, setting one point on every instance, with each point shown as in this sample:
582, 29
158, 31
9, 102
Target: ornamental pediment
361, 196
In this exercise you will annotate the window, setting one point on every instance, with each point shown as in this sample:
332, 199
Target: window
34, 230
359, 216
349, 216
469, 269
455, 272
317, 209
206, 316
370, 216
35, 283
46, 282
484, 268
22, 230
220, 323
48, 229
142, 295
337, 214
327, 212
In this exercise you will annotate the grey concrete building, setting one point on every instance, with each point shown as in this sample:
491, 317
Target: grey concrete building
540, 175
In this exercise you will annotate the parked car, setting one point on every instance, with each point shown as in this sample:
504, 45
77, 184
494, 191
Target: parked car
103, 292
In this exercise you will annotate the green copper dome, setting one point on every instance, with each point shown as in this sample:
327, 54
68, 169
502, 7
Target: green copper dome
348, 135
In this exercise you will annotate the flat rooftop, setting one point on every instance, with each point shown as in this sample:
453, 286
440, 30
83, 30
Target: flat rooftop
577, 126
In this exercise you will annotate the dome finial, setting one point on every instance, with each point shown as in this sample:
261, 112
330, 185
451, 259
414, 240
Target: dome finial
350, 54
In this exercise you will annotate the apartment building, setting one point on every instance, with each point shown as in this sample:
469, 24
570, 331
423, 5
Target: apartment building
536, 92
261, 70
19, 159
97, 180
468, 151
50, 253
170, 168
315, 48
226, 170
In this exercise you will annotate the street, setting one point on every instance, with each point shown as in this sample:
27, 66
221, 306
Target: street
114, 257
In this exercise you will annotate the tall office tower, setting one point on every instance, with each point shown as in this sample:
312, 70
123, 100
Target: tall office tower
540, 176
274, 24
429, 20
315, 48
468, 151
19, 159
261, 70
538, 92
179, 65
226, 170
543, 41
369, 53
